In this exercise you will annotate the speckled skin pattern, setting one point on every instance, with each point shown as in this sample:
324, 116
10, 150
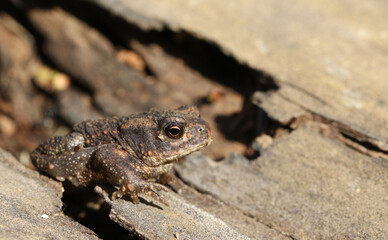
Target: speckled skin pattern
128, 151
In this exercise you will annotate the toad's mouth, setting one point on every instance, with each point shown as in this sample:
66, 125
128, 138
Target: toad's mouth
187, 152
180, 155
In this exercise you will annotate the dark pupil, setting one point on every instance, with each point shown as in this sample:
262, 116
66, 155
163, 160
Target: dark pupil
174, 131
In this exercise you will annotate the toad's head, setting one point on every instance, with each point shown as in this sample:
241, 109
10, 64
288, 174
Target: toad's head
161, 137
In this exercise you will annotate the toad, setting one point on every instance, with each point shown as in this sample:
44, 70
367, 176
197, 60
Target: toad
128, 151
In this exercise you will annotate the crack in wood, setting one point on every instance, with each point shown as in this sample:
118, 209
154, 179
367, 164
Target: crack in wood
341, 132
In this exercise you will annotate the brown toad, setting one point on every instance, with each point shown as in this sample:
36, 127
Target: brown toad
125, 151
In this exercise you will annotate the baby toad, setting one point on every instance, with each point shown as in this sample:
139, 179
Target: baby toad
127, 151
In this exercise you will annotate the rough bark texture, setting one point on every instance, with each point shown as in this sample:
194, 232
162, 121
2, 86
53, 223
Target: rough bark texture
179, 220
305, 185
31, 206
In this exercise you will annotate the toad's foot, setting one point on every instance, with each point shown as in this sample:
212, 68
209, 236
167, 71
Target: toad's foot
149, 188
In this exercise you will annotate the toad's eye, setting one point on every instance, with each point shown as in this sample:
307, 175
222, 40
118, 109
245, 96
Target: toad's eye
174, 130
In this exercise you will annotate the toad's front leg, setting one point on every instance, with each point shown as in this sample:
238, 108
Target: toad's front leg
119, 167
